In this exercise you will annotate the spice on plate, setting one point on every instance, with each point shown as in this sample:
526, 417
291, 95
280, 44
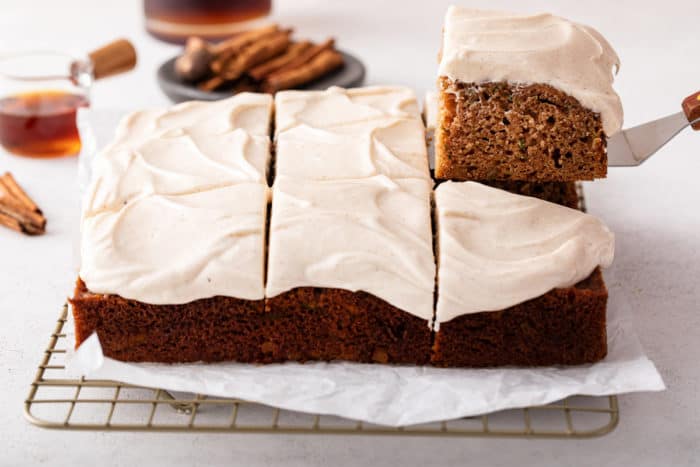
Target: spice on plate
264, 59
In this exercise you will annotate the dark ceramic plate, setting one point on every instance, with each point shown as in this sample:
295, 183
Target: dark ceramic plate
351, 74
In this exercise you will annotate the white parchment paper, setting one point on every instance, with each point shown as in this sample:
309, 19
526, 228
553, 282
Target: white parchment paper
381, 394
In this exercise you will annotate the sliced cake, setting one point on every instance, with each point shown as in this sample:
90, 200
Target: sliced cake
350, 266
564, 193
523, 97
519, 281
173, 235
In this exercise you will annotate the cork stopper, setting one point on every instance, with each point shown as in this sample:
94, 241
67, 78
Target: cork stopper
114, 58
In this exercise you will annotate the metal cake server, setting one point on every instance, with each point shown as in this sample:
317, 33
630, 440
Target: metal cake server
633, 146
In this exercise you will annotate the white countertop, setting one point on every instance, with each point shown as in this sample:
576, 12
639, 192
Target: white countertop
653, 209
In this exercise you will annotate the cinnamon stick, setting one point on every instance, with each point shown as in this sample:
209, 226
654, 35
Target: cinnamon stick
17, 210
259, 72
254, 54
11, 185
306, 56
225, 50
10, 222
211, 84
239, 41
325, 62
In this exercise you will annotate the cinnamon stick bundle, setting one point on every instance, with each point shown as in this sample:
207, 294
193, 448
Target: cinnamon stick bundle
263, 59
17, 210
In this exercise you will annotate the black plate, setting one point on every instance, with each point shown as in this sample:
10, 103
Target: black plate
352, 73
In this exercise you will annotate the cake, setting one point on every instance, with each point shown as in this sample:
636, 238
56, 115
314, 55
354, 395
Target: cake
564, 193
518, 280
188, 255
523, 97
350, 258
173, 235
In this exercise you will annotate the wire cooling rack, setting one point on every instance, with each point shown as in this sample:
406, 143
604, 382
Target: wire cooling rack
58, 401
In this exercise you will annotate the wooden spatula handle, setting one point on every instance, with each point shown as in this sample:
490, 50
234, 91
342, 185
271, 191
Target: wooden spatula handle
691, 107
116, 57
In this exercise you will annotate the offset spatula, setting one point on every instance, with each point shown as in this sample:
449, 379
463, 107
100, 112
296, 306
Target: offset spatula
635, 145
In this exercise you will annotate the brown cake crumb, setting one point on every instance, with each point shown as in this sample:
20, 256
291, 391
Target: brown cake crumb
563, 193
208, 330
300, 325
316, 323
562, 327
504, 131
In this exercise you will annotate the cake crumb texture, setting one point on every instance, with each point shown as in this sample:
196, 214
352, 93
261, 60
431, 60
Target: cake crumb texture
505, 131
320, 323
562, 327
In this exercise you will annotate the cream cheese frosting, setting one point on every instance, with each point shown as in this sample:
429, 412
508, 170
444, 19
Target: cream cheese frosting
250, 112
163, 249
350, 133
176, 207
339, 109
351, 198
430, 110
173, 163
192, 146
369, 235
497, 249
481, 46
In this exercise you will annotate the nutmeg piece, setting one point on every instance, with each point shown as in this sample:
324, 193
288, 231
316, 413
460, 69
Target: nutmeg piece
193, 64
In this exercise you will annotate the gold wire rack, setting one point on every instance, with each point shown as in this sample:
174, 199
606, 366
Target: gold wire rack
58, 401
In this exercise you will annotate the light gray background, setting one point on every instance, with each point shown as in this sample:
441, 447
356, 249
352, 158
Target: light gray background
653, 209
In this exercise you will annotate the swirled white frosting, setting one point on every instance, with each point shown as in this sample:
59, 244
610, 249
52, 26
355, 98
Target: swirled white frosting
176, 207
480, 46
430, 110
350, 133
497, 249
351, 198
369, 235
165, 249
191, 147
250, 112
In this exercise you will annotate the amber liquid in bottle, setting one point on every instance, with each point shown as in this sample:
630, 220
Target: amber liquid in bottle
41, 124
174, 20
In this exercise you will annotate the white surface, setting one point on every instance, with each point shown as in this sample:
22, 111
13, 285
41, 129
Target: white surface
652, 209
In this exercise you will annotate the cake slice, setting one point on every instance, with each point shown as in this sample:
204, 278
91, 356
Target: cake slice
350, 261
525, 98
175, 278
173, 235
350, 270
519, 281
564, 193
